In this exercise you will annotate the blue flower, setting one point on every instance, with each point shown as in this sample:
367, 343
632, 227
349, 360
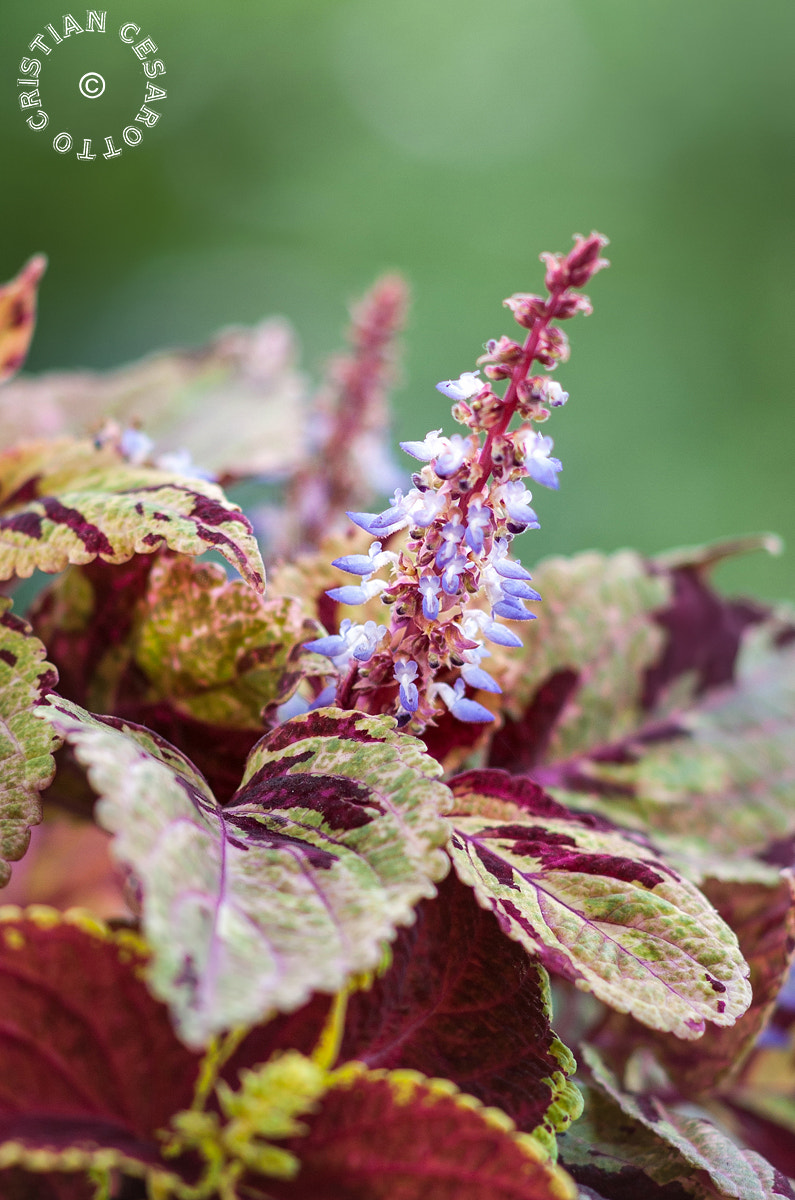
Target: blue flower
509, 568
537, 462
512, 610
516, 502
452, 533
450, 575
352, 642
477, 621
350, 593
502, 635
479, 519
429, 589
361, 564
462, 708
432, 445
520, 589
405, 673
473, 674
452, 456
136, 446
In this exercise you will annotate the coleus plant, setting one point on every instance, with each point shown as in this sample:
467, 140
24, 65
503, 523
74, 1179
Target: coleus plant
305, 901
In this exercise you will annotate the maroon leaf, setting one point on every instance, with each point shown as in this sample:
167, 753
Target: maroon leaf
396, 1136
89, 1057
463, 1001
16, 1184
704, 630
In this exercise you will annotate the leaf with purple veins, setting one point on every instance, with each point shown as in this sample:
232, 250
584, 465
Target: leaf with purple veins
605, 912
333, 836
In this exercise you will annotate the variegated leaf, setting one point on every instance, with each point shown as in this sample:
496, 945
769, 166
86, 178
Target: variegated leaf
92, 619
611, 1157
235, 405
27, 744
18, 318
762, 914
710, 1163
458, 1000
334, 835
621, 640
604, 911
68, 501
579, 681
717, 779
213, 648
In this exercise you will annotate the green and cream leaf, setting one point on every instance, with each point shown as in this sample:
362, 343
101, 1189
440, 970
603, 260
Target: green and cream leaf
27, 744
67, 501
604, 911
298, 883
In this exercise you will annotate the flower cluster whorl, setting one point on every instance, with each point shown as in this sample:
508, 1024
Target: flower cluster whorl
454, 582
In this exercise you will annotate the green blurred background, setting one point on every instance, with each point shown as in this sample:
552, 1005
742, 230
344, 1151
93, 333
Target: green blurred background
307, 145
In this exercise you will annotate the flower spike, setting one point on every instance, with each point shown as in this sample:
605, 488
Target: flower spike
453, 583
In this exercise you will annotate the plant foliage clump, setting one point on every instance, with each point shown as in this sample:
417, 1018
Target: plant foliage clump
395, 888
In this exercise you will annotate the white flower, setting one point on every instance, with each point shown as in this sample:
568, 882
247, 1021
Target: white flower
352, 641
427, 449
463, 388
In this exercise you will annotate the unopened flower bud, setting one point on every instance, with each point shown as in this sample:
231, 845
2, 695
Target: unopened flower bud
557, 276
502, 350
570, 304
497, 371
526, 309
553, 347
584, 261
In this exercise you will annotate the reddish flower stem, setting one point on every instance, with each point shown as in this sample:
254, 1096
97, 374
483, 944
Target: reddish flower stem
518, 374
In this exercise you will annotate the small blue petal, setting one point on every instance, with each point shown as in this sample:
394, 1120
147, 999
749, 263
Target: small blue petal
470, 710
518, 587
509, 569
294, 707
330, 646
544, 471
364, 521
409, 697
348, 594
378, 523
430, 606
326, 697
476, 677
512, 610
418, 450
364, 652
354, 564
502, 635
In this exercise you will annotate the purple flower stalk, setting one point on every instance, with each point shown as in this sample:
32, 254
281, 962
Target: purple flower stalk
452, 584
